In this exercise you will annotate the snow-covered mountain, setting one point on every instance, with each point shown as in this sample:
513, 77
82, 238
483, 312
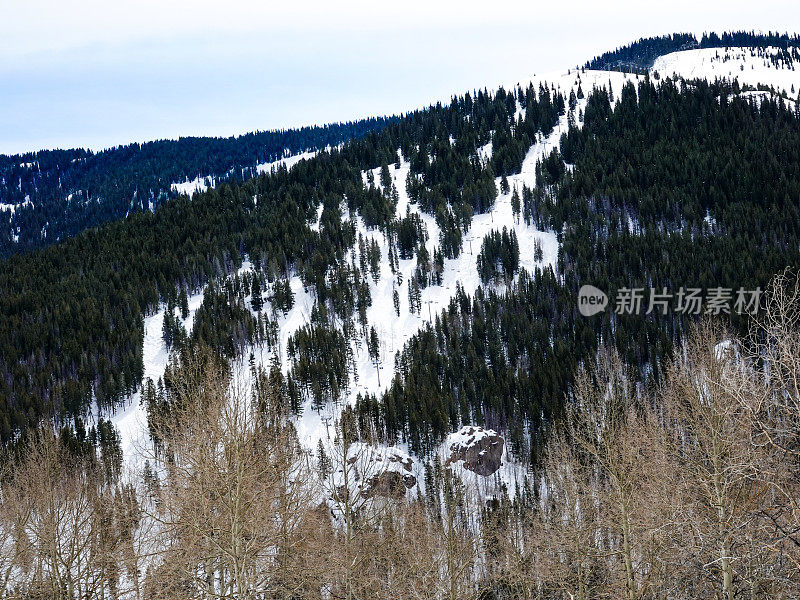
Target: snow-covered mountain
752, 67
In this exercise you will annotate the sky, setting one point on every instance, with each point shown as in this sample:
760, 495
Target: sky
95, 74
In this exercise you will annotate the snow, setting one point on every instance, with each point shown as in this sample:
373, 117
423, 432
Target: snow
372, 460
467, 436
748, 65
13, 207
198, 184
485, 152
132, 420
508, 479
203, 182
725, 349
287, 161
395, 330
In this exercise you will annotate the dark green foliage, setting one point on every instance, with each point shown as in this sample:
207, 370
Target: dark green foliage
224, 322
410, 233
499, 256
320, 358
446, 170
282, 296
70, 190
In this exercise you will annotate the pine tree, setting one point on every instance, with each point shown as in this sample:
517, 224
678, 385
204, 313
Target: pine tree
257, 301
373, 348
183, 303
414, 296
324, 463
515, 204
504, 187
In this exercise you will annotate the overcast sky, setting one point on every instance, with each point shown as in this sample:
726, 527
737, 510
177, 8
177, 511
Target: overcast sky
91, 73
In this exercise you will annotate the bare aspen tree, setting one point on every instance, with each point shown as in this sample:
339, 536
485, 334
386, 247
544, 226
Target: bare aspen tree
563, 540
235, 488
458, 534
358, 511
718, 465
768, 385
67, 552
16, 551
623, 445
411, 546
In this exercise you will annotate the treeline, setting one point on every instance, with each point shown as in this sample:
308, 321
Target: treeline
71, 190
684, 490
640, 55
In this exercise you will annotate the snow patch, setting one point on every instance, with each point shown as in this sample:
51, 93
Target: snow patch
751, 66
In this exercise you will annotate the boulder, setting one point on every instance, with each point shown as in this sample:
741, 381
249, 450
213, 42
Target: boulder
376, 471
481, 450
389, 484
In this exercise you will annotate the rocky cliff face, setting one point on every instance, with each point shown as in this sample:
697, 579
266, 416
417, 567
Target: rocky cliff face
480, 449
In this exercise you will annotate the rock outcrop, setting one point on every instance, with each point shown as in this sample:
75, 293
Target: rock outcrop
376, 471
389, 484
481, 450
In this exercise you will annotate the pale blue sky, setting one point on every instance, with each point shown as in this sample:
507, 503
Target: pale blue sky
94, 73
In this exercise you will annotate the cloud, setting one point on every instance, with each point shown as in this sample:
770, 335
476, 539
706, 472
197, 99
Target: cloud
92, 73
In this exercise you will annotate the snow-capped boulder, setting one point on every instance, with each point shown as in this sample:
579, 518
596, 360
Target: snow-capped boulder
375, 471
480, 449
394, 477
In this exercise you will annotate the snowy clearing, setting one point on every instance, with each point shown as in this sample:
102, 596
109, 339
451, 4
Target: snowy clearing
749, 65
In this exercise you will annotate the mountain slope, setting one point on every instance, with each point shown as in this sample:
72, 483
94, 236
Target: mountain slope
549, 161
395, 332
50, 195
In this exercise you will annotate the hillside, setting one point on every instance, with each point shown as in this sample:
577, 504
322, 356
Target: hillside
51, 195
525, 180
380, 332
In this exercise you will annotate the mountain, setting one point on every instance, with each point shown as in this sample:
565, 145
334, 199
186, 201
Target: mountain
397, 227
50, 195
403, 309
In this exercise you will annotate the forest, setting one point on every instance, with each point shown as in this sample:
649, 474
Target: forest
73, 325
656, 454
686, 489
56, 194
